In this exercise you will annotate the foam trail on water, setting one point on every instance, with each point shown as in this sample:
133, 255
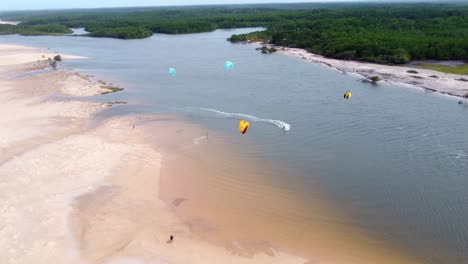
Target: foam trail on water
281, 124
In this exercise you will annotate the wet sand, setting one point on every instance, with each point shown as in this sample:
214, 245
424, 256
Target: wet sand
236, 203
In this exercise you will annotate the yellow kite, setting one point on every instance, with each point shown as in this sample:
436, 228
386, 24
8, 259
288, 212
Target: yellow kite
243, 126
347, 95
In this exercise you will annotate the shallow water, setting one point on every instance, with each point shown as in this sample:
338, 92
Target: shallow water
393, 159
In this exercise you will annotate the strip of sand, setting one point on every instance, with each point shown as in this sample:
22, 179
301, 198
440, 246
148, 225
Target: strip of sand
444, 83
18, 55
26, 116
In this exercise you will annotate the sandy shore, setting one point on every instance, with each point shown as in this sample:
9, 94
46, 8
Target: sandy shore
444, 83
71, 195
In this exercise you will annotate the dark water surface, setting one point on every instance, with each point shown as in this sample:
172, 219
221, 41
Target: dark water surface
394, 159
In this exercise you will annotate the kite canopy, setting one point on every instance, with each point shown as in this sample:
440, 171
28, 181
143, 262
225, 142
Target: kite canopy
347, 95
228, 65
172, 72
243, 126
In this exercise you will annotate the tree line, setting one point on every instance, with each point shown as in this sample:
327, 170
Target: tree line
382, 33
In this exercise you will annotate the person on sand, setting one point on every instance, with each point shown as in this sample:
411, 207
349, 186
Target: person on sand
171, 239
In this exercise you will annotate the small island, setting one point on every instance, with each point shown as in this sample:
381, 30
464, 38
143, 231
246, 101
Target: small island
111, 89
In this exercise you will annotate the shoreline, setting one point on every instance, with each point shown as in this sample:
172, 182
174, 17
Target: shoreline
428, 80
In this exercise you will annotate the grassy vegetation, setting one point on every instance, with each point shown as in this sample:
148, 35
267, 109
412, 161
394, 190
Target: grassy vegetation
111, 89
459, 69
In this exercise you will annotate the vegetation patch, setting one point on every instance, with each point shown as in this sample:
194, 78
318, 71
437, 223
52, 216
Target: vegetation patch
412, 71
128, 32
111, 89
37, 30
375, 79
461, 69
258, 36
267, 50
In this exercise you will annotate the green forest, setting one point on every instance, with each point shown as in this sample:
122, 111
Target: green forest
36, 30
382, 33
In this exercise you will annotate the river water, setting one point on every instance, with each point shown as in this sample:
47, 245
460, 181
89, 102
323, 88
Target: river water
392, 160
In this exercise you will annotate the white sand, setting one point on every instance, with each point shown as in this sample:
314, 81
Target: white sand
87, 87
73, 196
445, 83
25, 115
36, 189
36, 175
23, 118
17, 55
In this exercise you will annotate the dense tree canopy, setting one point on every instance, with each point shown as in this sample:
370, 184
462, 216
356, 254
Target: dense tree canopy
384, 35
37, 30
124, 32
391, 33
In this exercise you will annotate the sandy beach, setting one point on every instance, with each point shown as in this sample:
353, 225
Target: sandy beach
70, 195
443, 83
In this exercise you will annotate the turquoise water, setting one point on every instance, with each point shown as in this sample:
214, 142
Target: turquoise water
394, 159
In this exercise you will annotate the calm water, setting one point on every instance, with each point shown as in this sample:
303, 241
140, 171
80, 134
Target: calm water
394, 159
